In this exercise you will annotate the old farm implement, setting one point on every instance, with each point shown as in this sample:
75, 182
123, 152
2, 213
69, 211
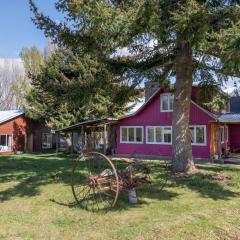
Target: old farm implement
97, 182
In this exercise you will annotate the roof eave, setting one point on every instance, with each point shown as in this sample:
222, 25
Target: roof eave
10, 118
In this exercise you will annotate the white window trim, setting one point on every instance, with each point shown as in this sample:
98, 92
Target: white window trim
227, 131
222, 127
133, 142
51, 141
195, 136
161, 102
154, 136
9, 150
225, 128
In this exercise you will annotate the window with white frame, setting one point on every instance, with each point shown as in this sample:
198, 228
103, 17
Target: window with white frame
46, 140
167, 102
227, 133
198, 135
222, 133
6, 143
159, 135
131, 134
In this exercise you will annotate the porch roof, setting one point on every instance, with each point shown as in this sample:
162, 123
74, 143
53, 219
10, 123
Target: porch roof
229, 118
96, 122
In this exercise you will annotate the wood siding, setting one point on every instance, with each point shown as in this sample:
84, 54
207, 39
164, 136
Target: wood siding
151, 115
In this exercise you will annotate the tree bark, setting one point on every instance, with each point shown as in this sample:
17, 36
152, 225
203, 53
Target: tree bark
182, 150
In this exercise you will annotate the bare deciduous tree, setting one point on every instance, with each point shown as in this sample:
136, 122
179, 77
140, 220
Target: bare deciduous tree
11, 70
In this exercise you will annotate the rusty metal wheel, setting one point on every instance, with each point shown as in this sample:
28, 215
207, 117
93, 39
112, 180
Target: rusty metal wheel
95, 183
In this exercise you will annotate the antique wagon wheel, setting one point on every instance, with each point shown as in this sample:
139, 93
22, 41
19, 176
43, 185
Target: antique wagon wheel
95, 182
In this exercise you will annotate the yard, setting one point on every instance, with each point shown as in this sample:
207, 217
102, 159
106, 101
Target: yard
36, 203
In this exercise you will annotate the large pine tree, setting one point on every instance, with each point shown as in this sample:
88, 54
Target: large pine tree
185, 39
72, 87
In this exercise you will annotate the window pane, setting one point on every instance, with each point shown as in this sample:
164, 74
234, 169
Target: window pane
222, 134
171, 102
150, 134
200, 138
3, 141
192, 134
167, 135
46, 140
124, 134
9, 140
131, 134
139, 134
164, 100
158, 135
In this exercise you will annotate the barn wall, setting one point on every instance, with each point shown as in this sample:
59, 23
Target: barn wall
234, 137
37, 129
16, 127
21, 128
151, 115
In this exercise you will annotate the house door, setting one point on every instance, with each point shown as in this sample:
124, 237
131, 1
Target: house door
30, 143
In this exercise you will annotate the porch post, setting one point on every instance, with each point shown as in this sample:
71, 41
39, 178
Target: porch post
71, 141
82, 139
57, 139
225, 138
105, 138
219, 143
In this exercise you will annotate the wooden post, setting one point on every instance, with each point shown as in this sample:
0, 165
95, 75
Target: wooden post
72, 142
57, 139
225, 139
82, 138
105, 138
94, 138
219, 144
214, 143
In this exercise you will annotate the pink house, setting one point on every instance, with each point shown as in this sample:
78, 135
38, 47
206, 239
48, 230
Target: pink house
148, 131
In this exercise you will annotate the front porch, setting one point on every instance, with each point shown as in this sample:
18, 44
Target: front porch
225, 138
94, 135
233, 158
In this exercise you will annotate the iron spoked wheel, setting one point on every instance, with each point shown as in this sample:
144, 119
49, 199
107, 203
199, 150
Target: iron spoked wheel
95, 183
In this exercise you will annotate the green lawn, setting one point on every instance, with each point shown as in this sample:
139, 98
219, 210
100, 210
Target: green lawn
35, 205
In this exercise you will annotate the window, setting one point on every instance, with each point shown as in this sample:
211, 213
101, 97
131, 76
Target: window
150, 134
167, 135
6, 143
167, 102
46, 140
3, 141
131, 134
124, 134
222, 133
227, 133
192, 134
198, 135
138, 134
159, 135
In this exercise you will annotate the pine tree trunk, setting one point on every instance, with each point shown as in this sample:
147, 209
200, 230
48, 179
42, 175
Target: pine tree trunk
182, 149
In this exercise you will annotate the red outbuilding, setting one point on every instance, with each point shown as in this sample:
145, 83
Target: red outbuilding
21, 134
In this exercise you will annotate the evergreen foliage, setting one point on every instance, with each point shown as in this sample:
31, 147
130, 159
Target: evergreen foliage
70, 88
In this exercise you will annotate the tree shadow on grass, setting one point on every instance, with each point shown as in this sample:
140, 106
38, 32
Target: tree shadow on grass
203, 184
123, 202
24, 174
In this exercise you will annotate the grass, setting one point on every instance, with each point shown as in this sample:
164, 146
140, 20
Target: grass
36, 203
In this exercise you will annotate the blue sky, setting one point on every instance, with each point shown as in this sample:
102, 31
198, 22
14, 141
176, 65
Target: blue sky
16, 28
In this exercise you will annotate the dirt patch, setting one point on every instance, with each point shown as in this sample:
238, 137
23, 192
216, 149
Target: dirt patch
219, 177
226, 235
187, 174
